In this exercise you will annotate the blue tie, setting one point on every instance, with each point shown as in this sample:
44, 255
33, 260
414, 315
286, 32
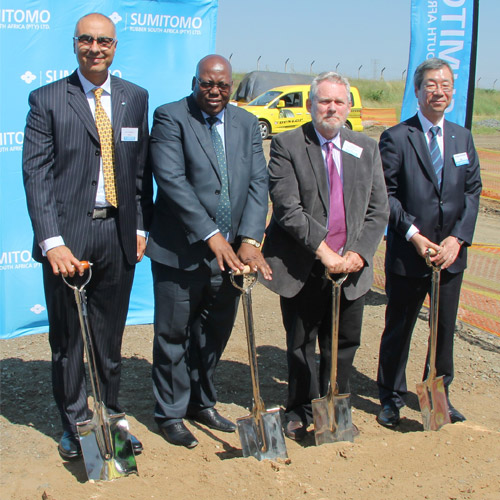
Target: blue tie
223, 212
436, 157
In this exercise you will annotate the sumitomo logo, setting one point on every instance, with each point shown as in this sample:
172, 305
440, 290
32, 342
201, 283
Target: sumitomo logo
165, 23
21, 19
11, 141
17, 259
28, 77
115, 17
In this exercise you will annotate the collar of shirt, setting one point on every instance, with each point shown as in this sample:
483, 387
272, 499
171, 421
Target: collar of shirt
426, 125
337, 156
89, 86
219, 125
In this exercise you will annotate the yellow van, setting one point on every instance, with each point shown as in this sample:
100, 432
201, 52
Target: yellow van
284, 108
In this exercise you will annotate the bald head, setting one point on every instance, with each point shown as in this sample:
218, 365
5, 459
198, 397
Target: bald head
95, 46
213, 62
94, 16
213, 84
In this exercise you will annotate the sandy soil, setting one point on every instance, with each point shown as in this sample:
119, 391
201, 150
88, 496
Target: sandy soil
460, 461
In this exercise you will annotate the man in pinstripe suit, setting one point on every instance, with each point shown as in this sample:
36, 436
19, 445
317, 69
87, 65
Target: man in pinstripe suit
73, 218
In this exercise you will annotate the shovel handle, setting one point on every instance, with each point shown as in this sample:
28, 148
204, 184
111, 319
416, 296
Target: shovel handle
87, 266
434, 310
337, 279
245, 270
430, 252
249, 279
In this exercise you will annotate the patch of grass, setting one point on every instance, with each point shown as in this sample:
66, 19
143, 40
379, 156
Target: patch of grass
389, 94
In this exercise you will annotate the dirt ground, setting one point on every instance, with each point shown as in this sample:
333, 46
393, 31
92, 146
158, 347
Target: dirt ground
461, 461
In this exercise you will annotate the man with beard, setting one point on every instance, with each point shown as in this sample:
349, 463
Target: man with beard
329, 211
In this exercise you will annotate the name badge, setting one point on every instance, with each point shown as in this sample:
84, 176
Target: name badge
352, 149
130, 134
461, 159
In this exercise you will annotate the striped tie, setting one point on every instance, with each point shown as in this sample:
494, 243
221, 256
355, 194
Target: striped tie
223, 212
437, 159
105, 132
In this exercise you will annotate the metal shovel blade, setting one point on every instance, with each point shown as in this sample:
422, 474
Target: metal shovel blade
106, 462
332, 419
431, 392
332, 413
262, 436
433, 403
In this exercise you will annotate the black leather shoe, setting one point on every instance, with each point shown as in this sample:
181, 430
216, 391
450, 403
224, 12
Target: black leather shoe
211, 418
136, 445
455, 415
296, 430
177, 433
69, 446
388, 416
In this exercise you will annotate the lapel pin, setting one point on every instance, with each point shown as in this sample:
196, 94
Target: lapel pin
123, 103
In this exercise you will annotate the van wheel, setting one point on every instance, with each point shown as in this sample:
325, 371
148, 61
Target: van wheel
348, 125
265, 129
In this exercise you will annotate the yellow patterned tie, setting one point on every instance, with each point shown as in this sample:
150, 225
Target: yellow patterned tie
105, 132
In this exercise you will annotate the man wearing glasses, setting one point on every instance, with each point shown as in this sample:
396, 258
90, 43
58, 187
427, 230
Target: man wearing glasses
85, 147
209, 219
432, 175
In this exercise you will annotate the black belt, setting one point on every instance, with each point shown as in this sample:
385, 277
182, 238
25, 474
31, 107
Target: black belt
104, 212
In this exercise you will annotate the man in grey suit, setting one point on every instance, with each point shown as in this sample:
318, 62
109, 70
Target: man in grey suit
85, 203
209, 218
329, 211
433, 181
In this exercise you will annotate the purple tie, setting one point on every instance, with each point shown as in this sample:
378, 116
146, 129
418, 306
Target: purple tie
336, 236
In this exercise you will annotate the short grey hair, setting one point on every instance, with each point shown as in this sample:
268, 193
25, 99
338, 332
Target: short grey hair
329, 76
429, 64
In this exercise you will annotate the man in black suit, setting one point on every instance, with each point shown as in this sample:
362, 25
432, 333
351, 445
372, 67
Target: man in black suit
329, 212
85, 203
433, 182
209, 218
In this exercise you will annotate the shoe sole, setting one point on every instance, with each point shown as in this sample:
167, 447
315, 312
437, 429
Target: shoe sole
387, 425
67, 456
213, 427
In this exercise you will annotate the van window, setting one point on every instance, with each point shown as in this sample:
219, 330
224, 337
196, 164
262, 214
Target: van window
265, 98
292, 100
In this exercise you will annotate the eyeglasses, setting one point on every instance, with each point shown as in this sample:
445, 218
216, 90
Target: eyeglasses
105, 42
433, 86
223, 87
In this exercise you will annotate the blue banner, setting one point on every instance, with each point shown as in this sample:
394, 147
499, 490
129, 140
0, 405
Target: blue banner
159, 44
443, 29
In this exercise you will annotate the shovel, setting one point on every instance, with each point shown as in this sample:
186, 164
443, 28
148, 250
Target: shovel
104, 439
261, 432
431, 392
332, 413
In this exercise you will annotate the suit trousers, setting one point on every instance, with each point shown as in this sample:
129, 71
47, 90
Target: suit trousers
405, 297
108, 294
194, 316
306, 317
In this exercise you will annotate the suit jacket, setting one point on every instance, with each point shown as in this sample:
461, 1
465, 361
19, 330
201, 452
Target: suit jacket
300, 195
61, 163
186, 170
415, 198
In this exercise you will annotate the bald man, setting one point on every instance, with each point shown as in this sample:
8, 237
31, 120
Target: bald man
77, 215
209, 218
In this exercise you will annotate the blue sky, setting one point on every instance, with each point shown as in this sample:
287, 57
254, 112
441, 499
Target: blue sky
342, 34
